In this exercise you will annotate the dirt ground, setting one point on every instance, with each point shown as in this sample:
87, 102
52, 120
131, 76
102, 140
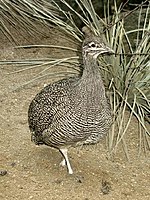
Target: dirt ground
31, 172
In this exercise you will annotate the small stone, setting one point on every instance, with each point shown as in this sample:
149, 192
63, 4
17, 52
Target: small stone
79, 179
20, 187
106, 187
58, 181
13, 164
3, 172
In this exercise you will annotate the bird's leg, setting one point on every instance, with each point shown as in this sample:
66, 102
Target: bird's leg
66, 160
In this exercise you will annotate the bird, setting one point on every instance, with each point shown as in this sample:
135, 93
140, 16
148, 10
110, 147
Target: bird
73, 111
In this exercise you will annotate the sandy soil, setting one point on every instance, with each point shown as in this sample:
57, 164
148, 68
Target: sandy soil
30, 172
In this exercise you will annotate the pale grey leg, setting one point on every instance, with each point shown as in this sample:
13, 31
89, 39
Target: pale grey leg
66, 160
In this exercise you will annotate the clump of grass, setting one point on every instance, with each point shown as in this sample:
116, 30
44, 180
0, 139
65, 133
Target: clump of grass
25, 15
129, 79
126, 75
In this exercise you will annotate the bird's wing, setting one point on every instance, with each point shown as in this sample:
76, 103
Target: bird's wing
46, 103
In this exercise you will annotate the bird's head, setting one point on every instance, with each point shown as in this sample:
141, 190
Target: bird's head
94, 45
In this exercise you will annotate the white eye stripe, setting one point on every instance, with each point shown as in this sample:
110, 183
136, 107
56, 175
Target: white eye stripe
95, 45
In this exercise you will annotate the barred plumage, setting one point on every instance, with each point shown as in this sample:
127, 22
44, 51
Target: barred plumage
74, 110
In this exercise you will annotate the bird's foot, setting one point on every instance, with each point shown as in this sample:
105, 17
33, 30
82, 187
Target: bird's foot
63, 163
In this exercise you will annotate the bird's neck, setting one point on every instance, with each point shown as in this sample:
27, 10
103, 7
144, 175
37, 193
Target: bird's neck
90, 66
91, 72
91, 83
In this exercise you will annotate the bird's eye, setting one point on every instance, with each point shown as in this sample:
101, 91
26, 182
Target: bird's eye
92, 44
